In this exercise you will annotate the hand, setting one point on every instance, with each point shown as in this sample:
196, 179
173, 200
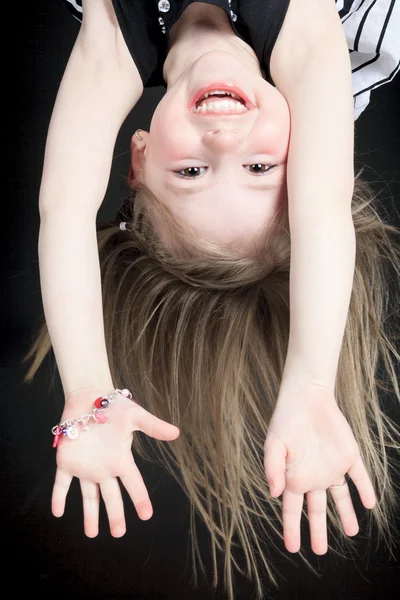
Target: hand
310, 446
102, 454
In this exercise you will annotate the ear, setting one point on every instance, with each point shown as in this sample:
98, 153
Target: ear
138, 155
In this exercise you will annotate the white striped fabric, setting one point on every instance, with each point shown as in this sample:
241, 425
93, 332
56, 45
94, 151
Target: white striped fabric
372, 30
75, 6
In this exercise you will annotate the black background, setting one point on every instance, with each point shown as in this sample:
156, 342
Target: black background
52, 556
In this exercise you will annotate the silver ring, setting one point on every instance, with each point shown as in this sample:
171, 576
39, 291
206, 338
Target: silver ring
137, 134
338, 485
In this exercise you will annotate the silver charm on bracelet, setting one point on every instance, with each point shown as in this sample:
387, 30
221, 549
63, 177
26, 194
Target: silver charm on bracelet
69, 427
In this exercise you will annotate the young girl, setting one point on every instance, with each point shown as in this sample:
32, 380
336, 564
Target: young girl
259, 345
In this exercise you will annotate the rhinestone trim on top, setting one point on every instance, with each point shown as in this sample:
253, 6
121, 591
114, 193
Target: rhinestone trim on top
164, 6
233, 15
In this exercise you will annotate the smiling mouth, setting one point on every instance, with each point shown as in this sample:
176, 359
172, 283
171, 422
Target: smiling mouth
221, 102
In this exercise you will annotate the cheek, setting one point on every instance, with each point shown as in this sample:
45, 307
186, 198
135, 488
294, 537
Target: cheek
276, 121
279, 133
159, 126
284, 137
168, 131
283, 122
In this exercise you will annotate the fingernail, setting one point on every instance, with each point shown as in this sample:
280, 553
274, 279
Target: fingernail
119, 532
146, 514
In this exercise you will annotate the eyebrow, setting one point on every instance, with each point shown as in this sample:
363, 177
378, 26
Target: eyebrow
195, 190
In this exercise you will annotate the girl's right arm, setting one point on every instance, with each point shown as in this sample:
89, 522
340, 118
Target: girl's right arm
100, 86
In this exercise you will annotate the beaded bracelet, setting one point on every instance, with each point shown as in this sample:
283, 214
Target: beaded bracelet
69, 427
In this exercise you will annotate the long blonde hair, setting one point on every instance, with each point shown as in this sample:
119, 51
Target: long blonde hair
199, 332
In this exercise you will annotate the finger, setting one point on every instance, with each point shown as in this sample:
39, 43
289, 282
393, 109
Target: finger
344, 504
153, 426
316, 510
111, 494
360, 476
133, 482
292, 510
274, 464
60, 490
91, 499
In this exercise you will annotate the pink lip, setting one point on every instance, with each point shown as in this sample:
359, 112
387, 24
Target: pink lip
225, 87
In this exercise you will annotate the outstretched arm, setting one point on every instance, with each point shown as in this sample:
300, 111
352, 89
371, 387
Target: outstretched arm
309, 444
100, 86
315, 79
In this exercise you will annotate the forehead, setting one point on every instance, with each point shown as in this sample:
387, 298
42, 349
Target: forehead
233, 218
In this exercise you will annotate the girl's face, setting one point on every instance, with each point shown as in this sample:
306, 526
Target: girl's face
224, 173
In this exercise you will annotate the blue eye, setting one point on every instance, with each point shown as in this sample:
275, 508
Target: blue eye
192, 172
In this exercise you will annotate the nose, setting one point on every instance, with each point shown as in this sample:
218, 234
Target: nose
223, 140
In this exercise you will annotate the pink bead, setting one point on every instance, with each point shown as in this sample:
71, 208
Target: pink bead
126, 393
100, 417
58, 431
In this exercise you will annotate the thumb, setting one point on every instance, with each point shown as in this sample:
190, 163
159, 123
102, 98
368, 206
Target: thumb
274, 464
153, 426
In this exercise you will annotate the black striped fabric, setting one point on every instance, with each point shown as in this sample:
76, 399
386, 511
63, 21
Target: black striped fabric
371, 27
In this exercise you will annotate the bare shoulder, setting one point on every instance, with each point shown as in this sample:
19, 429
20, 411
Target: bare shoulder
99, 27
312, 70
100, 35
306, 23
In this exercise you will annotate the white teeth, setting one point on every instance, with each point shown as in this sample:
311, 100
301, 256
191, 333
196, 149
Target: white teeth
220, 93
221, 106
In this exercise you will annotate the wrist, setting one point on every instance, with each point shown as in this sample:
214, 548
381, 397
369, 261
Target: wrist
299, 371
298, 378
82, 393
81, 399
71, 422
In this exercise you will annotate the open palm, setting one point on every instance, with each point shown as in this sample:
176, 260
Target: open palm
309, 447
101, 456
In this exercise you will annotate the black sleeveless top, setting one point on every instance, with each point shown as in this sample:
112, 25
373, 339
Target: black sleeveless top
145, 25
370, 27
